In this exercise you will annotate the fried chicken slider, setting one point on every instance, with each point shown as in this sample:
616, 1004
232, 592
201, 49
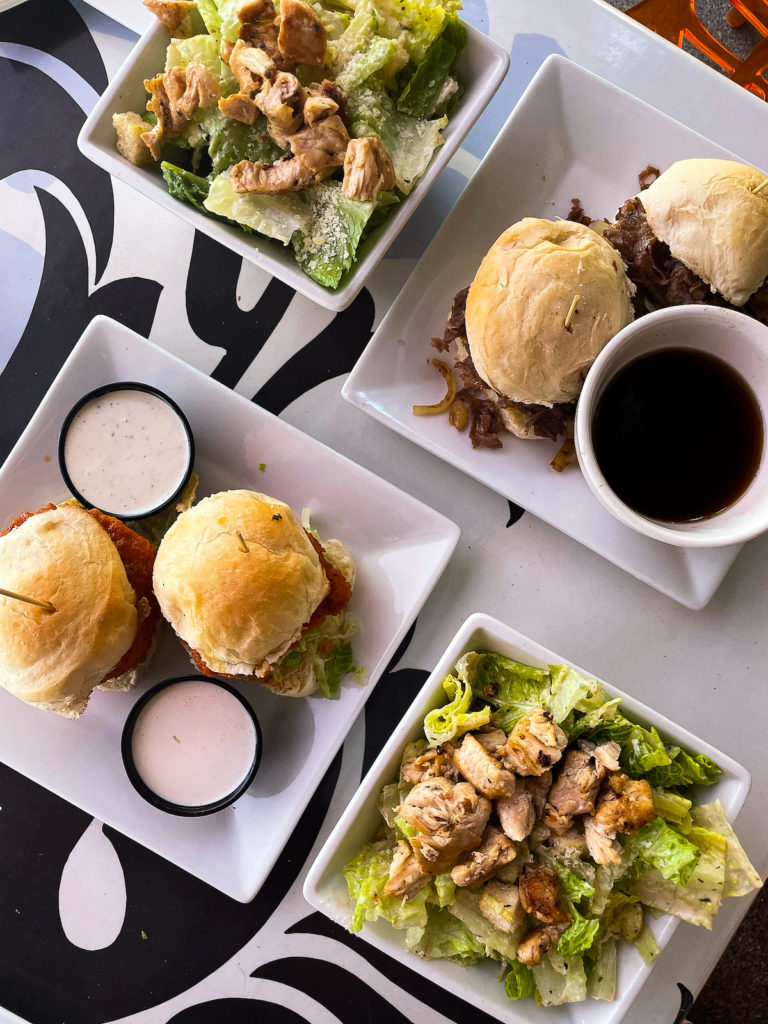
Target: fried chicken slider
96, 573
252, 594
546, 299
699, 234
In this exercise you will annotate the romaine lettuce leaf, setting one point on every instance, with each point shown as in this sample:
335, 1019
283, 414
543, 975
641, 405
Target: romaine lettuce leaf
673, 808
184, 185
601, 980
511, 687
571, 691
409, 141
231, 141
497, 944
560, 979
445, 936
660, 846
275, 216
202, 49
646, 945
519, 981
740, 877
331, 651
422, 22
366, 876
579, 935
454, 718
209, 12
445, 889
684, 769
326, 244
420, 94
361, 65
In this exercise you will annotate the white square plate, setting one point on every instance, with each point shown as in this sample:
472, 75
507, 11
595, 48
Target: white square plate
326, 889
571, 134
401, 547
482, 66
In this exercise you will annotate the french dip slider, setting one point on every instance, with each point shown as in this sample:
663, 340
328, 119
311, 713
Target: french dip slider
546, 299
698, 234
100, 630
252, 594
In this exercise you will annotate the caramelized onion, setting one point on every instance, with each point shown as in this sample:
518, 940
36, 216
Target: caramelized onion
445, 403
457, 415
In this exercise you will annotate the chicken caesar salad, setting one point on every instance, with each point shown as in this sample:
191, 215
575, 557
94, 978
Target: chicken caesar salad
534, 824
304, 122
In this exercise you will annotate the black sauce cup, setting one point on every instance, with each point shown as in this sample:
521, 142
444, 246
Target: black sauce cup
106, 389
141, 787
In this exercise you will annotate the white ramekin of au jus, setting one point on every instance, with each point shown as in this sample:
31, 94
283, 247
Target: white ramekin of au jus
127, 449
727, 335
191, 745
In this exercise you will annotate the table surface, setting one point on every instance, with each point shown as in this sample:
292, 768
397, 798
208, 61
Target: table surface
96, 928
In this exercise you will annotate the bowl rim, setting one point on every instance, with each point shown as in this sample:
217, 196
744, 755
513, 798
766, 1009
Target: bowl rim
138, 783
105, 389
703, 535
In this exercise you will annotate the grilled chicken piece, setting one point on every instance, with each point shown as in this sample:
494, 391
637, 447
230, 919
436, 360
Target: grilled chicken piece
538, 942
624, 805
321, 97
277, 179
602, 844
516, 813
500, 904
534, 745
486, 774
239, 107
575, 789
490, 738
281, 100
433, 762
322, 146
251, 66
405, 876
302, 35
367, 169
256, 10
171, 12
494, 852
258, 28
539, 892
608, 753
174, 97
450, 816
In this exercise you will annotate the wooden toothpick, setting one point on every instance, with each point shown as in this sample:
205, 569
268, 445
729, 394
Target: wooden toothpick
28, 600
760, 187
571, 311
243, 545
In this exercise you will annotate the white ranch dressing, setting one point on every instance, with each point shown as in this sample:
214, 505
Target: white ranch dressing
193, 743
127, 452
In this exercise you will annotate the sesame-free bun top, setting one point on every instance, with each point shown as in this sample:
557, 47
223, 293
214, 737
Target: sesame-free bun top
712, 221
54, 659
240, 610
519, 300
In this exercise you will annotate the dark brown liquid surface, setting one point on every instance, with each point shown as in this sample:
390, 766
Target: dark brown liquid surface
678, 435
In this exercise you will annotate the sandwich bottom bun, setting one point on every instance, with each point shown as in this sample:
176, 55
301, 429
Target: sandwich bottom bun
713, 220
54, 659
238, 577
519, 302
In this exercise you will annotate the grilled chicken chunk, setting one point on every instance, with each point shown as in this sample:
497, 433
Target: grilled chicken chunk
538, 942
486, 774
239, 107
608, 753
281, 100
171, 12
494, 852
450, 816
174, 97
405, 876
317, 152
575, 789
490, 738
534, 745
322, 146
602, 844
500, 904
540, 892
302, 37
624, 805
251, 66
277, 179
367, 169
434, 761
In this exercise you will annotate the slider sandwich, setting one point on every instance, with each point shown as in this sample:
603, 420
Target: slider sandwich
99, 623
698, 234
254, 595
547, 297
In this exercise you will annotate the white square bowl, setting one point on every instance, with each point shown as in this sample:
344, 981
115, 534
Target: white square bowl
401, 547
482, 66
326, 889
572, 134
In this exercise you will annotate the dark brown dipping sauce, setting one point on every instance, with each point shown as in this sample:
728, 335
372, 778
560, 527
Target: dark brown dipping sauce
678, 435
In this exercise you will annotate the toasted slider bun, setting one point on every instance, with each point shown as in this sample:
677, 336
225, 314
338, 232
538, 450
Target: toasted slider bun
712, 221
54, 659
239, 610
519, 300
